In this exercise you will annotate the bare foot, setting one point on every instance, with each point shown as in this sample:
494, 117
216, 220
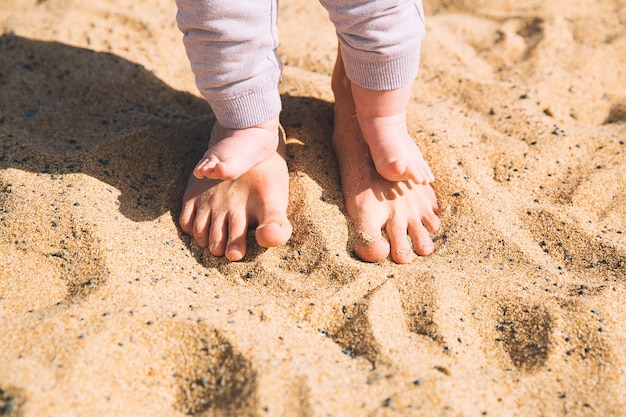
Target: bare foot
218, 213
238, 151
382, 118
374, 203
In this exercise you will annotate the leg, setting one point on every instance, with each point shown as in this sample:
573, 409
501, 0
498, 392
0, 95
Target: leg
380, 43
232, 50
374, 203
218, 213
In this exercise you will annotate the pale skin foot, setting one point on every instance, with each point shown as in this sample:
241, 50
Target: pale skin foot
402, 209
218, 213
382, 118
238, 151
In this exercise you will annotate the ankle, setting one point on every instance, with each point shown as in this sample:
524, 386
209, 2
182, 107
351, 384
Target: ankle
380, 103
383, 126
270, 126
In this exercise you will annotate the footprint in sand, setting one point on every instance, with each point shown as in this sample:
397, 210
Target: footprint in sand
51, 252
215, 379
12, 401
525, 332
571, 244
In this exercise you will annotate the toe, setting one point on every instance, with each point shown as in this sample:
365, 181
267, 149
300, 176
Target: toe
370, 245
204, 168
198, 171
429, 174
421, 174
218, 236
273, 230
200, 229
416, 174
227, 170
401, 251
430, 211
431, 222
186, 217
236, 246
392, 169
422, 243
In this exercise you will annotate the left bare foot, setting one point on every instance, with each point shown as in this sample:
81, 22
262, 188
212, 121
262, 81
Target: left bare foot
218, 213
382, 118
373, 203
237, 151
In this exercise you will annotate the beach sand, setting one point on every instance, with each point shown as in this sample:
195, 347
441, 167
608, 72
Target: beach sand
108, 309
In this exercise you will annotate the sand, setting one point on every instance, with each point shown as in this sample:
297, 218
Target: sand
108, 309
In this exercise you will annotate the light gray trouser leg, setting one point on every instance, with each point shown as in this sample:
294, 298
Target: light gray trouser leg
380, 40
232, 48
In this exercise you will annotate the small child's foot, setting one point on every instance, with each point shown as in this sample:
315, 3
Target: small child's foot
218, 213
407, 212
395, 154
238, 152
382, 119
374, 204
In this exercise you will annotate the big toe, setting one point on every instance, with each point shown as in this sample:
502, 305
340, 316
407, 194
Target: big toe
227, 170
273, 234
204, 168
371, 246
392, 169
273, 230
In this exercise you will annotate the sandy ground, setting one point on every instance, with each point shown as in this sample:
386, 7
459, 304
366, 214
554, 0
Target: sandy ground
109, 310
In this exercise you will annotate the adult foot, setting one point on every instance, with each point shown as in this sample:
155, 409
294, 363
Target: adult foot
382, 118
218, 213
402, 209
238, 151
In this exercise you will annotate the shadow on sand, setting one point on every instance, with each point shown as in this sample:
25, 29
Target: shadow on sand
68, 110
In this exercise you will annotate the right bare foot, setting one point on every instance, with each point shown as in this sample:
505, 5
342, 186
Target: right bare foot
382, 119
238, 152
218, 213
401, 208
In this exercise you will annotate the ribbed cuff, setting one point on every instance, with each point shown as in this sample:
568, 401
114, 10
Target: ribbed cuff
249, 109
379, 72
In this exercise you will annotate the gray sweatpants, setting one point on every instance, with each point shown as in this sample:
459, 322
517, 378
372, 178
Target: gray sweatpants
232, 48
